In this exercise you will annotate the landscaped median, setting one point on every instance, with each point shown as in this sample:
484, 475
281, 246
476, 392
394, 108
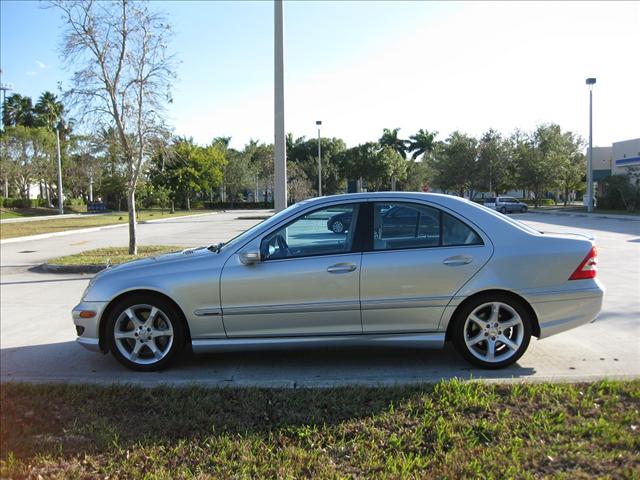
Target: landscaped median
23, 229
100, 258
454, 429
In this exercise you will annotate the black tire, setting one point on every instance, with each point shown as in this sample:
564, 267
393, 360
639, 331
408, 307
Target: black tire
460, 329
503, 210
523, 210
167, 314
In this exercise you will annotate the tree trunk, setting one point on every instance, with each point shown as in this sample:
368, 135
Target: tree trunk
188, 203
173, 207
131, 203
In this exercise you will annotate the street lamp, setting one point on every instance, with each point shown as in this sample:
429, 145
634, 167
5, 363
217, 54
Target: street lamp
60, 204
280, 150
591, 82
319, 124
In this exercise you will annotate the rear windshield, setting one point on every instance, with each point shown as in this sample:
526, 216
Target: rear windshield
490, 200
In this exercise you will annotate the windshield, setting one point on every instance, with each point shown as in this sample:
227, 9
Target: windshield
247, 234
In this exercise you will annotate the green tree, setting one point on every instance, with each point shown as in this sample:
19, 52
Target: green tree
188, 169
304, 153
18, 110
422, 143
374, 164
496, 167
390, 139
539, 158
26, 150
455, 164
572, 164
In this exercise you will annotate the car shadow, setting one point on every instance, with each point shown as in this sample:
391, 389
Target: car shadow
68, 362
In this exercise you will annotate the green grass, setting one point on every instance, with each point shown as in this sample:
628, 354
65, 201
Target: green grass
112, 255
11, 230
26, 212
453, 429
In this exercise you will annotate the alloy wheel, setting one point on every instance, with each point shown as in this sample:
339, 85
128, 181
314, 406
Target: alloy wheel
493, 332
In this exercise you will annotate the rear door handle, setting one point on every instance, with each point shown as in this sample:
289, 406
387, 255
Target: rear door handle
341, 268
457, 260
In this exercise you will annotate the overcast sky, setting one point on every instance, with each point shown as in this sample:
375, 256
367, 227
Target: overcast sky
363, 66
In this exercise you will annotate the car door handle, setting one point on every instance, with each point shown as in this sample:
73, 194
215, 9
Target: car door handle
341, 268
457, 260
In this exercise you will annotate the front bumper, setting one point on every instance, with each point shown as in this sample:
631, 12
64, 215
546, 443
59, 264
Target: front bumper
88, 329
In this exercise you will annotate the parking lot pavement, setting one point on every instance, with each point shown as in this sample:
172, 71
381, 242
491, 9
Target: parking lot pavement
37, 335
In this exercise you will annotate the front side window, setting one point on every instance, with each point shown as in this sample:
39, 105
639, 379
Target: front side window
327, 231
398, 226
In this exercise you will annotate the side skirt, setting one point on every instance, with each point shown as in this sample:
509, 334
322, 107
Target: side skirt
406, 340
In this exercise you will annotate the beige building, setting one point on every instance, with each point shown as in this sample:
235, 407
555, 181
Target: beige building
616, 159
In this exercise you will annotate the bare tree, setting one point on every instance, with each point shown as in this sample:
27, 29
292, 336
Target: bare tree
122, 75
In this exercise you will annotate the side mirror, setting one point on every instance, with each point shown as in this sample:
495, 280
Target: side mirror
249, 258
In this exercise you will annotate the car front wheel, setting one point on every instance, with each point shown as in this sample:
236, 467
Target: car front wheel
337, 226
144, 332
492, 331
523, 210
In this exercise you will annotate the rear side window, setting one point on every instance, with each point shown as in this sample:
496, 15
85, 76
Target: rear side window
398, 226
454, 232
490, 200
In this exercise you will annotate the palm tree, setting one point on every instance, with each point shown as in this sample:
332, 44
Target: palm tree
422, 143
18, 110
49, 111
390, 138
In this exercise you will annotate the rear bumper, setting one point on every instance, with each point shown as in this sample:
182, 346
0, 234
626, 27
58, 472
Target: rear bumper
562, 311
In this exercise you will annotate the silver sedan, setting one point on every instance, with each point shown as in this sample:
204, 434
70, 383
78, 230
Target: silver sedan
454, 271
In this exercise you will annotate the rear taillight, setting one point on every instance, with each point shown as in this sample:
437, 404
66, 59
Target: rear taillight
586, 269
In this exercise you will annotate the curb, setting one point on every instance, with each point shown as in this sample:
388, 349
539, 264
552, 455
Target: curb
627, 218
95, 229
49, 268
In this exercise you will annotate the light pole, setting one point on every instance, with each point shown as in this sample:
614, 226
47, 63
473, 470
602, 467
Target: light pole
319, 124
280, 151
591, 82
60, 205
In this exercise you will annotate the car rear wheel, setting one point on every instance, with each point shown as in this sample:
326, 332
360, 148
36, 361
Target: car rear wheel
144, 332
503, 210
337, 226
492, 331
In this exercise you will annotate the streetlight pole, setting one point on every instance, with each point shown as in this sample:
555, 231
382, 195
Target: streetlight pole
319, 124
591, 82
60, 205
280, 167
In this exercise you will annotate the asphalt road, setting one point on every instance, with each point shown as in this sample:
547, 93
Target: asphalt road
37, 335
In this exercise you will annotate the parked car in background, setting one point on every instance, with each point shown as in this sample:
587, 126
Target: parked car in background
505, 204
455, 272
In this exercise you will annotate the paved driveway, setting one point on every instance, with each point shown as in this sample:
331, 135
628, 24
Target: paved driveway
37, 335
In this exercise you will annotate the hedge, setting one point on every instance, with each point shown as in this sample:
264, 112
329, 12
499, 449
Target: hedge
22, 202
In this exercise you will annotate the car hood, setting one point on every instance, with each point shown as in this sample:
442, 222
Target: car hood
171, 260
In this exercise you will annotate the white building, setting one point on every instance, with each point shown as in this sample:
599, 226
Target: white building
625, 154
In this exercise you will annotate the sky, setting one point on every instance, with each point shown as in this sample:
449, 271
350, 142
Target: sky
364, 66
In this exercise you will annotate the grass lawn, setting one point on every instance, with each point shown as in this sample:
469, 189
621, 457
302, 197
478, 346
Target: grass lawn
10, 230
450, 430
112, 255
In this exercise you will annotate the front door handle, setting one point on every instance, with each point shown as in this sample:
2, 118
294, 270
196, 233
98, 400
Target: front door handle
457, 260
341, 268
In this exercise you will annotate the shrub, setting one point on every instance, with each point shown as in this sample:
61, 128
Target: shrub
621, 192
9, 202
